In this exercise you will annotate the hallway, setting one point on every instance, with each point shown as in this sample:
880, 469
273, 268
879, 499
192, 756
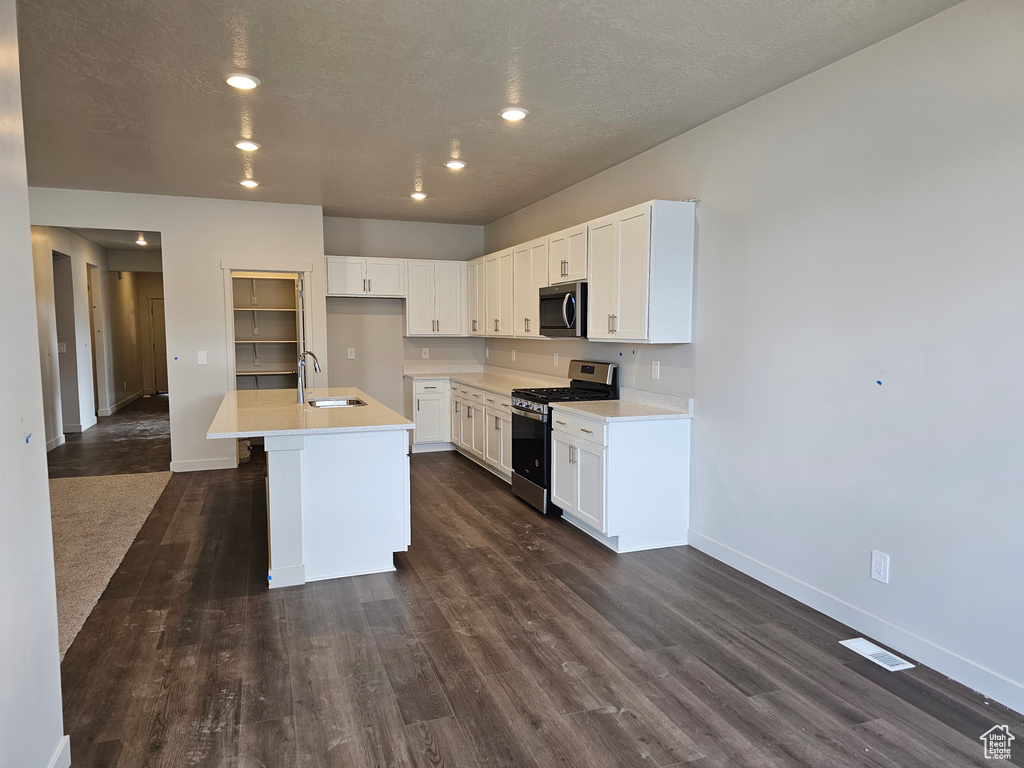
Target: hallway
135, 439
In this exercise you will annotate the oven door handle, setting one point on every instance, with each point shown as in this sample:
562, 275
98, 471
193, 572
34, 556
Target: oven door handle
565, 303
529, 414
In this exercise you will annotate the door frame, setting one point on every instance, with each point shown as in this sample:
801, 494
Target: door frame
228, 266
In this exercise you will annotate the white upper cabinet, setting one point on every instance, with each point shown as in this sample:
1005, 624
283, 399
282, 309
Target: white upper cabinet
641, 274
530, 274
357, 276
567, 255
476, 304
498, 278
435, 298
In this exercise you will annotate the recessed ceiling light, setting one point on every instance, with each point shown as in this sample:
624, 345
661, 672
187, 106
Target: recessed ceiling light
242, 82
141, 240
514, 113
418, 196
247, 146
455, 165
249, 183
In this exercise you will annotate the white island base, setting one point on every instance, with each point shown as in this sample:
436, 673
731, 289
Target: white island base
337, 481
351, 513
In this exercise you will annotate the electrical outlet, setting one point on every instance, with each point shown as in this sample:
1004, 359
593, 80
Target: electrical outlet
513, 355
879, 566
426, 352
124, 386
656, 369
556, 359
62, 348
201, 357
351, 353
487, 351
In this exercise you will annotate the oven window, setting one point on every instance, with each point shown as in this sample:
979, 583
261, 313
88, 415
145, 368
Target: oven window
530, 449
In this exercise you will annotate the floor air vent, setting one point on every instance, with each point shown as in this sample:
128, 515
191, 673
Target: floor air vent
880, 656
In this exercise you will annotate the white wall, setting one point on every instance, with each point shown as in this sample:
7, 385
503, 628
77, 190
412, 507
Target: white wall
69, 398
379, 238
134, 261
30, 697
196, 235
862, 225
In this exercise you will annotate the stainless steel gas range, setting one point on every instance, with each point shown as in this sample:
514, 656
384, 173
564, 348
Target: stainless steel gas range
531, 427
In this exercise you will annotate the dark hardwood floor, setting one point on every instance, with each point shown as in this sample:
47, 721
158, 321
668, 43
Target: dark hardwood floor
503, 639
135, 439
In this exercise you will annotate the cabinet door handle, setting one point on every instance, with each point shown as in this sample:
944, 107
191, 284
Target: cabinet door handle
560, 422
489, 400
497, 423
469, 411
495, 325
504, 405
417, 403
364, 285
474, 325
369, 285
430, 387
609, 323
615, 321
588, 431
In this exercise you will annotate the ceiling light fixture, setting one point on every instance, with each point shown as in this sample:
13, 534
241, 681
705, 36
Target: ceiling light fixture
141, 240
251, 183
514, 114
455, 165
247, 146
242, 82
418, 196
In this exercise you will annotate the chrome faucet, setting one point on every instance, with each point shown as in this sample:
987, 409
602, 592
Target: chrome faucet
302, 373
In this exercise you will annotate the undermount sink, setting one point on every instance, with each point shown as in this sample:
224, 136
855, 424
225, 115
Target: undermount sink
335, 402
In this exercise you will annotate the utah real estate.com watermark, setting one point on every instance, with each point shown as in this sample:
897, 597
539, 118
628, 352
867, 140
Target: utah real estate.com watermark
997, 741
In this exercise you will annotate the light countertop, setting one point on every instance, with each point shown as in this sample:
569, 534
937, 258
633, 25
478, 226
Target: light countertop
262, 412
500, 381
619, 410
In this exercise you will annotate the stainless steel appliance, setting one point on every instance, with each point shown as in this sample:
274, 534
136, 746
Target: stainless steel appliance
563, 310
531, 427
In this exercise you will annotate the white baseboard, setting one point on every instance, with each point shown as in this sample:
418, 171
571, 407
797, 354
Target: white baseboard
62, 755
201, 465
58, 441
121, 404
389, 569
986, 681
433, 447
80, 427
287, 577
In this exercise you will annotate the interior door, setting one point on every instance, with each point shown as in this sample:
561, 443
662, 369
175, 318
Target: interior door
156, 314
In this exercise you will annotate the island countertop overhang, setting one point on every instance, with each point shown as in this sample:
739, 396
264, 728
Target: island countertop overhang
274, 412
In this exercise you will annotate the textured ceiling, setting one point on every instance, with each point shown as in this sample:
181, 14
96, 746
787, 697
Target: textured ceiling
363, 99
119, 239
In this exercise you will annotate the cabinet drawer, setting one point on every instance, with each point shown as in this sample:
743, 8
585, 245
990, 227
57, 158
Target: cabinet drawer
429, 386
499, 403
584, 429
474, 396
456, 387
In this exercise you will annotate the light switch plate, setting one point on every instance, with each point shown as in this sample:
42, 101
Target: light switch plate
62, 348
556, 359
513, 355
656, 369
351, 353
201, 357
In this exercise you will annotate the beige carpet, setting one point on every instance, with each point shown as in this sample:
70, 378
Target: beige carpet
95, 521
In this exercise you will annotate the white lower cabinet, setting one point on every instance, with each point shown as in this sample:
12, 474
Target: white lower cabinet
625, 481
499, 436
456, 419
430, 406
474, 423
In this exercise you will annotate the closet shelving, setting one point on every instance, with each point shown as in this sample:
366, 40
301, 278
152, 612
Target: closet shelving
268, 329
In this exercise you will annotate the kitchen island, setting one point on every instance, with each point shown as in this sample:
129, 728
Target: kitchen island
337, 480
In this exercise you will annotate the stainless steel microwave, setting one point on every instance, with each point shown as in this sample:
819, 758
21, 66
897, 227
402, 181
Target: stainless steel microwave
563, 310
